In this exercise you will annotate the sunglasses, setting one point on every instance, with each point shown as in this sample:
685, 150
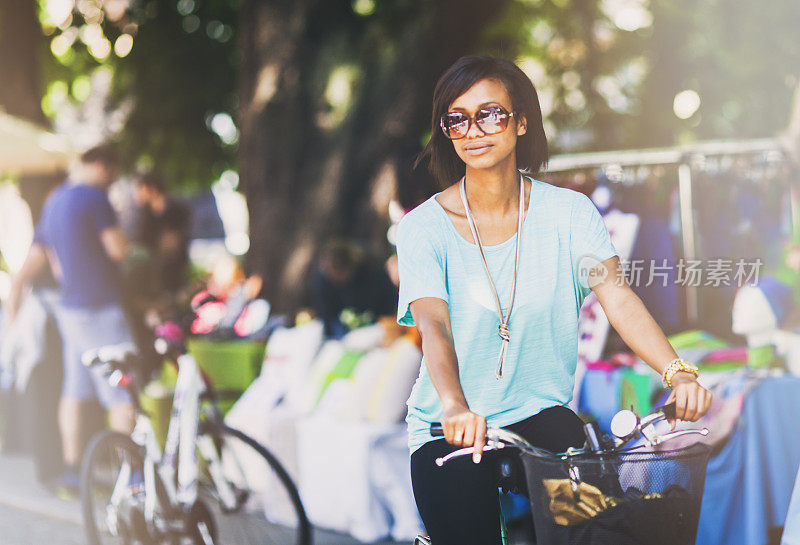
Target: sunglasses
489, 119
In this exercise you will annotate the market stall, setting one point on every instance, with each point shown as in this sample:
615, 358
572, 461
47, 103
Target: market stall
27, 149
750, 357
332, 410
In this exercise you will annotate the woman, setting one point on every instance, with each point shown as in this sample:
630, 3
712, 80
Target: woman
493, 271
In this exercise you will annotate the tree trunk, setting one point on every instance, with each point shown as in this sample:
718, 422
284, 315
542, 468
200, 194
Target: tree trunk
20, 39
305, 183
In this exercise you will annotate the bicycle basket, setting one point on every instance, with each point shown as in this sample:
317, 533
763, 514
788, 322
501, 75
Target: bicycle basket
637, 497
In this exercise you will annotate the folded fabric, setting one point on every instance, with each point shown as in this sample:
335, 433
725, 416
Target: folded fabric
736, 353
342, 370
749, 481
636, 390
620, 359
655, 521
22, 344
387, 403
601, 365
289, 357
305, 395
364, 381
725, 359
364, 338
575, 502
791, 532
695, 338
578, 512
336, 484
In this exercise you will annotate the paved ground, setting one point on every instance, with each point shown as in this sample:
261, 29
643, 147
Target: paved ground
30, 515
22, 527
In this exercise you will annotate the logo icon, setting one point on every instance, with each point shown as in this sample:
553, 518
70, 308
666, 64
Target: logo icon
589, 273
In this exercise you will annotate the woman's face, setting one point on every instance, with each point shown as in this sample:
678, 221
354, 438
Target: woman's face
477, 149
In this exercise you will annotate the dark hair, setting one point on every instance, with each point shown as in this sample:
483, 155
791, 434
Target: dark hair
445, 164
153, 181
104, 153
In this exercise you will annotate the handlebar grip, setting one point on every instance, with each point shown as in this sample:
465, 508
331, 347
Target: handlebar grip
668, 410
437, 430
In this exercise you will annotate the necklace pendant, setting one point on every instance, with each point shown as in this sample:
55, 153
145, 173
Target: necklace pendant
504, 332
505, 335
501, 360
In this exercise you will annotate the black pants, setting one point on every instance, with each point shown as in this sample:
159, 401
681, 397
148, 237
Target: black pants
458, 502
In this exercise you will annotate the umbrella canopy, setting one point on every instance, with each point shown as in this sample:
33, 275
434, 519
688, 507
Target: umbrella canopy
27, 149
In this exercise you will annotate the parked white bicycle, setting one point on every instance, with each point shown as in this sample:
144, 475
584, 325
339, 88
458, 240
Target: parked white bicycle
209, 485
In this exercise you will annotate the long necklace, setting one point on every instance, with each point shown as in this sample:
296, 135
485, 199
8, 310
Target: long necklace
502, 330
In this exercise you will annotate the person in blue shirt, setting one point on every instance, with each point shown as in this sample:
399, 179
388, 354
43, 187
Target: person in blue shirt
78, 234
493, 271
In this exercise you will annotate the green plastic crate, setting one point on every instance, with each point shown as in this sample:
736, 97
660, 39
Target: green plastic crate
230, 365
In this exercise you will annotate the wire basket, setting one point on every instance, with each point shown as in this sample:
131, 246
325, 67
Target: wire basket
631, 498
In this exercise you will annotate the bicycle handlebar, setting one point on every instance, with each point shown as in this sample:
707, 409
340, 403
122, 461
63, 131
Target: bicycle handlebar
667, 412
628, 427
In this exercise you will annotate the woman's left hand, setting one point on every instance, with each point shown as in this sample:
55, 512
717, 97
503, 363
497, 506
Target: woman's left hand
691, 400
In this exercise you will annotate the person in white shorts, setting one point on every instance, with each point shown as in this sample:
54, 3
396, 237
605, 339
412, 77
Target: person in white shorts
79, 235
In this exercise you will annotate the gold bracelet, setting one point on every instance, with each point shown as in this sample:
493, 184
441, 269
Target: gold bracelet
676, 366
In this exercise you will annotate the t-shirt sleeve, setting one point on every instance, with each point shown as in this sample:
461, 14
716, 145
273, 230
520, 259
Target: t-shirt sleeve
421, 267
590, 241
103, 216
40, 234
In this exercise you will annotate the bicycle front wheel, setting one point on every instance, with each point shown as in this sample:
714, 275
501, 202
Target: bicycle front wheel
250, 495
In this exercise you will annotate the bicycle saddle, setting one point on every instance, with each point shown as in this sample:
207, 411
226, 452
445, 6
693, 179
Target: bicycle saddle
121, 356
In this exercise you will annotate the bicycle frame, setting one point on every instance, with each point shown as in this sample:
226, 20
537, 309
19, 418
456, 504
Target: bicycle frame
179, 456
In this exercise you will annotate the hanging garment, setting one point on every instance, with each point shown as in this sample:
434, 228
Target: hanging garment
749, 481
791, 532
22, 345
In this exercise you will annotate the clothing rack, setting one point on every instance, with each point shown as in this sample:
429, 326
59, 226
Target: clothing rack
686, 158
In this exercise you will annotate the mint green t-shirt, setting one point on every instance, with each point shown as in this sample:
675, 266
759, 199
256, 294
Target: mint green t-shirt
562, 233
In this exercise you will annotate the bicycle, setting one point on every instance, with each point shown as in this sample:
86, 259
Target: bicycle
581, 495
210, 483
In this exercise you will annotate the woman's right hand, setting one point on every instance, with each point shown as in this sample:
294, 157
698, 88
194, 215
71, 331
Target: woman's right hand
463, 428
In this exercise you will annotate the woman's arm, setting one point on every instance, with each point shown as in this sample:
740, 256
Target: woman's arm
461, 426
639, 330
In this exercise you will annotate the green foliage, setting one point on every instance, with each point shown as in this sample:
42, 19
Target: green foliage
182, 70
743, 58
605, 82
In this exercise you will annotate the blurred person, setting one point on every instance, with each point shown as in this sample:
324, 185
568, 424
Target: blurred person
162, 228
346, 280
30, 379
78, 234
496, 293
156, 271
